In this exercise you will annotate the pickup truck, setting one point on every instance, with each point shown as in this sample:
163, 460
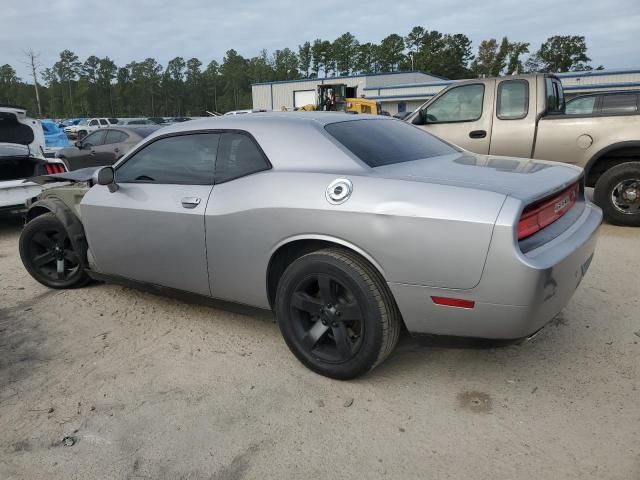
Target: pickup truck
86, 126
524, 116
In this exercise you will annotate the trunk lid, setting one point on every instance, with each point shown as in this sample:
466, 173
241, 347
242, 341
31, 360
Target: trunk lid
527, 180
20, 136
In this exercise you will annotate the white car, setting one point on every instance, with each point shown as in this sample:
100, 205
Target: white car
86, 126
22, 156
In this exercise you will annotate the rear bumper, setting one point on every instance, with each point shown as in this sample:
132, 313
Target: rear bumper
517, 294
14, 193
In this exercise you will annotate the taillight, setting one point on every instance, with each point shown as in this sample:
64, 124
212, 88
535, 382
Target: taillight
543, 213
52, 168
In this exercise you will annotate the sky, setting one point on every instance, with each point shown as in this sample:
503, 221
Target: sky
127, 30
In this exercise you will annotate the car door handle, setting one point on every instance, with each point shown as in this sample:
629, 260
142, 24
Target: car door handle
478, 134
93, 152
116, 149
190, 202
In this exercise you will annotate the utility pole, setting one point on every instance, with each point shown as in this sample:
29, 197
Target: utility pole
33, 63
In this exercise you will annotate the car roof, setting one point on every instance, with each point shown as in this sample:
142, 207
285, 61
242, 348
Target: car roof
279, 119
140, 130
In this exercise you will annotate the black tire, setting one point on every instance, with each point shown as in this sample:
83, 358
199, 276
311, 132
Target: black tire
48, 255
614, 190
348, 335
81, 134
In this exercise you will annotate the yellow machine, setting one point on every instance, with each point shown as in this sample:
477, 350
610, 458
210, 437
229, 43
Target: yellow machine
340, 98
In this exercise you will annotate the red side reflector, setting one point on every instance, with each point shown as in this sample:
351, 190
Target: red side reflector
453, 302
543, 213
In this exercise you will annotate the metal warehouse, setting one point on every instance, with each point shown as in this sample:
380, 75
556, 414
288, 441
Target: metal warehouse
297, 93
406, 91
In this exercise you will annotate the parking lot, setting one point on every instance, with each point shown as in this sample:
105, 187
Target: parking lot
109, 382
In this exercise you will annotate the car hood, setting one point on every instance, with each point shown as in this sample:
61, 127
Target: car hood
521, 178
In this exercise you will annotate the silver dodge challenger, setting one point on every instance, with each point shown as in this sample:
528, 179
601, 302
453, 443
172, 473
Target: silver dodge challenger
349, 227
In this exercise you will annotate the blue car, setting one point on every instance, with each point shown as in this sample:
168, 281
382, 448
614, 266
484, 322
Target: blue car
54, 136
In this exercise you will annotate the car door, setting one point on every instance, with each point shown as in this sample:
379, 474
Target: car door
110, 150
151, 228
462, 115
85, 156
230, 258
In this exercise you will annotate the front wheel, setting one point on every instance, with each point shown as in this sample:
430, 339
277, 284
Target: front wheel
48, 254
617, 192
336, 313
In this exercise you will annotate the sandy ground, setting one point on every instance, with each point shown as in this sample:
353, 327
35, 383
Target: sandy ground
149, 387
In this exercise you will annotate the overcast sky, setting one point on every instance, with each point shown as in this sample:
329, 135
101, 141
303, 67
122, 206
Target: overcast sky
137, 29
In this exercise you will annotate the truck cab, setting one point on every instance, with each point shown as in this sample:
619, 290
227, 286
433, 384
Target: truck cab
524, 116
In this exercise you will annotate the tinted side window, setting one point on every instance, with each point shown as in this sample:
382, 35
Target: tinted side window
238, 155
94, 139
581, 106
555, 96
115, 136
93, 123
619, 103
460, 104
384, 142
185, 159
513, 99
103, 122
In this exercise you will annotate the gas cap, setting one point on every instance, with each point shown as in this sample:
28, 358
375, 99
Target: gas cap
339, 191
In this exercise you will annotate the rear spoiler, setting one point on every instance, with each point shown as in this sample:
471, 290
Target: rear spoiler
76, 176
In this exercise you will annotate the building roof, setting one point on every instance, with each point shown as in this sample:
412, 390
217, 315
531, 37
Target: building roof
351, 76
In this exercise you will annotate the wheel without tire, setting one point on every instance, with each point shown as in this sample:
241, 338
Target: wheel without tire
617, 192
48, 255
336, 313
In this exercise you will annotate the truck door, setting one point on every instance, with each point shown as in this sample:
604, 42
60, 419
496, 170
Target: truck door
462, 115
514, 122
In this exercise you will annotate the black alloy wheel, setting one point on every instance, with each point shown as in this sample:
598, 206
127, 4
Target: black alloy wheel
336, 313
48, 254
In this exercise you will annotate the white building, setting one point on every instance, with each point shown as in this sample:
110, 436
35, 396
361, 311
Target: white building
406, 91
297, 93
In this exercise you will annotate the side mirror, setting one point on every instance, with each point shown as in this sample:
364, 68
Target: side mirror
78, 144
106, 176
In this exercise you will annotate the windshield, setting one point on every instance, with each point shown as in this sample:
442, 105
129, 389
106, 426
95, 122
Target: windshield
385, 142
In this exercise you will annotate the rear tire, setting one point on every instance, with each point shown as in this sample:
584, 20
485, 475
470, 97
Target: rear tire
617, 192
48, 254
336, 313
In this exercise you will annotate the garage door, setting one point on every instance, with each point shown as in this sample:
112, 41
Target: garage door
304, 97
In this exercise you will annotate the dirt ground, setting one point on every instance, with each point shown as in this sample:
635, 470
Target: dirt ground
108, 382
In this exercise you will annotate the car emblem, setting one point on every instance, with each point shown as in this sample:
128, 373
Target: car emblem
339, 191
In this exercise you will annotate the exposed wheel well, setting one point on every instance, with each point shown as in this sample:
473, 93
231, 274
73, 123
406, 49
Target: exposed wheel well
36, 212
289, 252
609, 159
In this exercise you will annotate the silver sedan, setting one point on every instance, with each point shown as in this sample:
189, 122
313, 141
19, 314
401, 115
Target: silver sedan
348, 227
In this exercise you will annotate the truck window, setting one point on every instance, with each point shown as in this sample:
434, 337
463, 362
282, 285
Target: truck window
460, 104
581, 106
619, 103
555, 95
513, 99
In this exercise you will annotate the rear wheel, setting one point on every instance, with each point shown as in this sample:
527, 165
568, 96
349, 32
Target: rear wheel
48, 254
617, 192
336, 313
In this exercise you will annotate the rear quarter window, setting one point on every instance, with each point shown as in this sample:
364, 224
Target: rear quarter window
385, 142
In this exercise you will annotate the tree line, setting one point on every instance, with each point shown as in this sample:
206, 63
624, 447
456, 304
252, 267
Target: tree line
99, 87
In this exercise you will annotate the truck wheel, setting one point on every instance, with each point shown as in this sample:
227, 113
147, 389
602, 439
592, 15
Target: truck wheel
336, 313
617, 192
81, 134
48, 255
